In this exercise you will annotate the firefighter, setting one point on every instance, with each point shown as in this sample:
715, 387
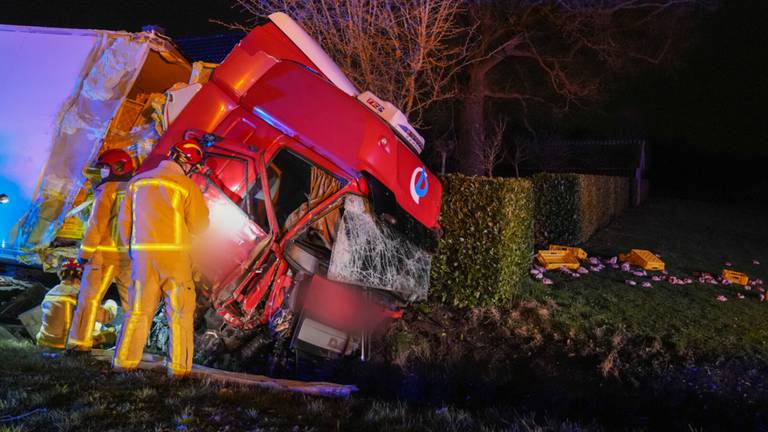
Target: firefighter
162, 210
59, 304
104, 256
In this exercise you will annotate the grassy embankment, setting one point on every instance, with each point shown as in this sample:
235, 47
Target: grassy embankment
578, 349
690, 237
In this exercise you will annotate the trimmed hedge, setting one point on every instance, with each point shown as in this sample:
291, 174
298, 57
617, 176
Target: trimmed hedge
572, 207
602, 198
557, 208
487, 243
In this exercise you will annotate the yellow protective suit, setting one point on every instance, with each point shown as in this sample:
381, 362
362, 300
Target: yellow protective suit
108, 261
58, 306
162, 209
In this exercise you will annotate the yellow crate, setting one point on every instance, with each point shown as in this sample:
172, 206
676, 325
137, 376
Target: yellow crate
644, 259
554, 259
735, 277
579, 253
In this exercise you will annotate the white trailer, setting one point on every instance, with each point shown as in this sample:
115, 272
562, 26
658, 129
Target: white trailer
63, 94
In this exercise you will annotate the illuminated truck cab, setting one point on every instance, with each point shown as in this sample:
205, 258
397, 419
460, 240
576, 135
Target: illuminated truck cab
299, 181
268, 79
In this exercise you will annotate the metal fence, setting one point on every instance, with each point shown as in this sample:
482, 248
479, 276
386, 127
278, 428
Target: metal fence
622, 158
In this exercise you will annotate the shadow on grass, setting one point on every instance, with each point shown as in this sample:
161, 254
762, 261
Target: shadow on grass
519, 357
40, 392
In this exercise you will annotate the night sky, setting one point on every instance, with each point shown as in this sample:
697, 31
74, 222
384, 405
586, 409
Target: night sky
179, 18
717, 101
711, 127
706, 119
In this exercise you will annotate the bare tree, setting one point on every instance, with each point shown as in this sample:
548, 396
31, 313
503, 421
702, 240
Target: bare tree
406, 51
552, 55
493, 151
557, 54
521, 152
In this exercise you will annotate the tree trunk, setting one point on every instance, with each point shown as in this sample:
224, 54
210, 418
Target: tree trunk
472, 124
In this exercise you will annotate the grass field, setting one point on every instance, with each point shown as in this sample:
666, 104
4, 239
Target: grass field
690, 237
583, 354
594, 347
43, 392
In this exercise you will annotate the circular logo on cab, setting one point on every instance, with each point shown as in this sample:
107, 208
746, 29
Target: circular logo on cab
419, 184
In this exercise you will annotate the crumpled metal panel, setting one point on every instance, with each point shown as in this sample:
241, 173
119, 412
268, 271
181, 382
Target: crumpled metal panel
115, 63
370, 253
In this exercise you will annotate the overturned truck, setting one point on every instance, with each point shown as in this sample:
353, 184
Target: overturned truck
323, 217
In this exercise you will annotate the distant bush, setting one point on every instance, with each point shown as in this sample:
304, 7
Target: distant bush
572, 207
486, 248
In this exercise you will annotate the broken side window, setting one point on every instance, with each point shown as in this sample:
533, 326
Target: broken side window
257, 197
299, 186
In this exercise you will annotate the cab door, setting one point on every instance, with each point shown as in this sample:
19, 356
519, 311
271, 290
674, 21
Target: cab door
237, 237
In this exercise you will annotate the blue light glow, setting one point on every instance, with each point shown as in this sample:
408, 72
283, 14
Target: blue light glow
273, 122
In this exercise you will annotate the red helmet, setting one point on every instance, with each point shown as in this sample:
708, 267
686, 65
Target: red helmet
71, 269
70, 264
119, 161
189, 151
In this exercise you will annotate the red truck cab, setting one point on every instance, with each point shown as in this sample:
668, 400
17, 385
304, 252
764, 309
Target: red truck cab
300, 164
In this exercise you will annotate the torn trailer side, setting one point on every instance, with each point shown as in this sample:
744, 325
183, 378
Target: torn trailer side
68, 95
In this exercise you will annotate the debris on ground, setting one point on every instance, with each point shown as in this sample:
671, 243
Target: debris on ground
579, 253
6, 335
327, 389
32, 320
735, 277
642, 258
637, 263
555, 259
8, 283
567, 271
30, 295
